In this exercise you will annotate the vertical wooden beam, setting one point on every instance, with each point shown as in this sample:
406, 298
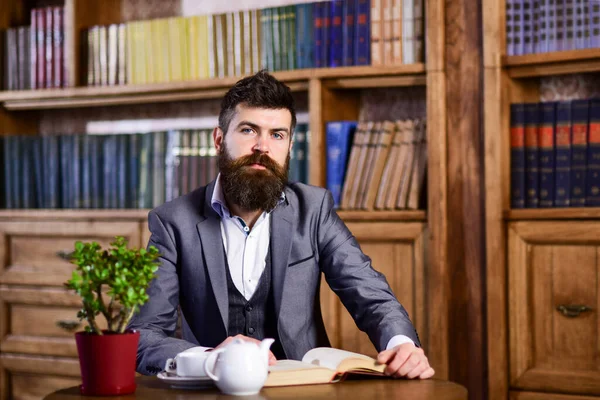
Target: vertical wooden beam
316, 143
466, 254
497, 192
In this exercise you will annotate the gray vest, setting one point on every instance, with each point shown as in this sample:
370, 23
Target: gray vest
254, 318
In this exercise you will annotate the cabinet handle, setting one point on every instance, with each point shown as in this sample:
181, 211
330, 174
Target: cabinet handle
68, 325
572, 310
65, 254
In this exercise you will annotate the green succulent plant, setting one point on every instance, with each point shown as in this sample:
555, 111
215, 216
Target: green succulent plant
111, 282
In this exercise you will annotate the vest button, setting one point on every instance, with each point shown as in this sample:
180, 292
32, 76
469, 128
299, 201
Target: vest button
251, 330
248, 308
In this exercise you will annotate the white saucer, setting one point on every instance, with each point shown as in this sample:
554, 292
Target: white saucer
185, 382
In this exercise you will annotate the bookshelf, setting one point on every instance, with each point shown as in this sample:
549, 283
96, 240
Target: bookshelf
537, 259
409, 246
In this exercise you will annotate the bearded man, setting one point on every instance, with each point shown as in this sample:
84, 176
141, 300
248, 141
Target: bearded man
243, 256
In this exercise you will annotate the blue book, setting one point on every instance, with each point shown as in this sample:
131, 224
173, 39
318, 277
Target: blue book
592, 197
65, 171
527, 26
579, 141
8, 172
321, 27
562, 155
551, 25
85, 170
348, 27
517, 155
362, 33
518, 26
38, 171
303, 33
76, 142
546, 142
339, 140
122, 153
133, 171
96, 171
26, 177
532, 160
336, 47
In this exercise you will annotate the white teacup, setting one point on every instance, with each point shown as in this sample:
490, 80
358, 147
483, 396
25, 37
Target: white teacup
188, 363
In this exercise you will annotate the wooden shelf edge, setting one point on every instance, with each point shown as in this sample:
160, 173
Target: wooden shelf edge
552, 214
72, 214
297, 80
388, 216
553, 63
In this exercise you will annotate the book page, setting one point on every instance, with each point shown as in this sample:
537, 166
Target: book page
290, 365
331, 358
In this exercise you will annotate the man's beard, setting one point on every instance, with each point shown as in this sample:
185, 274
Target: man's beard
249, 188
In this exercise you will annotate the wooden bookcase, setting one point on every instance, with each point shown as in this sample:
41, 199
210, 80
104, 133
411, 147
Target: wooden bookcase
409, 247
537, 259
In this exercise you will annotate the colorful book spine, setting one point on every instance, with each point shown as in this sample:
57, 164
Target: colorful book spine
532, 159
41, 49
581, 27
551, 24
58, 52
348, 26
579, 127
546, 142
594, 23
339, 139
518, 27
592, 197
569, 15
336, 48
517, 155
562, 155
291, 44
319, 33
527, 26
536, 30
362, 33
301, 32
560, 20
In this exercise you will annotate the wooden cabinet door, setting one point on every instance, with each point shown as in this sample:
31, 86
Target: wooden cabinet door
553, 272
32, 300
396, 250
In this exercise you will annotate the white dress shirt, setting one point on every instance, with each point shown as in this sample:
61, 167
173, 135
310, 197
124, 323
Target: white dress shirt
246, 249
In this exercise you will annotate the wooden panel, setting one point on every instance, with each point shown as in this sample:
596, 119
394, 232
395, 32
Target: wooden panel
496, 199
494, 37
553, 63
514, 395
36, 387
435, 34
396, 250
437, 214
465, 204
589, 213
317, 144
30, 249
60, 366
550, 351
21, 316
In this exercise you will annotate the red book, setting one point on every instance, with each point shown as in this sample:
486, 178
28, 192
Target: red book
49, 47
33, 49
41, 49
58, 49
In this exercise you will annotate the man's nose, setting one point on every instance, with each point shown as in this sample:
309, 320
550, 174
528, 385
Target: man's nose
261, 144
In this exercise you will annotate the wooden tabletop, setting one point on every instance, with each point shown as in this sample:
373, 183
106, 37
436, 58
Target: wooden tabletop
388, 389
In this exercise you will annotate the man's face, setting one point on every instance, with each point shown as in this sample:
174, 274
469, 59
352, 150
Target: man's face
254, 156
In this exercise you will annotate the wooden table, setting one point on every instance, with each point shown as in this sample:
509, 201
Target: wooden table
384, 389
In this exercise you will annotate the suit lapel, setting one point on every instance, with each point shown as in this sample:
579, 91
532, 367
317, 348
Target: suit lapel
282, 229
209, 231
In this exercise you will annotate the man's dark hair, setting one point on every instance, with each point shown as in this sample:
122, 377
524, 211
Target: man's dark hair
260, 90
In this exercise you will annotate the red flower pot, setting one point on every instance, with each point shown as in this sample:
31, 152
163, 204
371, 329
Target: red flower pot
107, 362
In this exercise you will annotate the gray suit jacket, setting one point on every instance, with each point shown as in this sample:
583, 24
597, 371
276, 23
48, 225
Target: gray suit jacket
307, 239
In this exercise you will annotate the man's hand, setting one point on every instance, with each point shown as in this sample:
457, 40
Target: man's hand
406, 361
225, 342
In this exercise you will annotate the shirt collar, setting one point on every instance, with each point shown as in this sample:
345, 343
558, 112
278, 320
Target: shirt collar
219, 204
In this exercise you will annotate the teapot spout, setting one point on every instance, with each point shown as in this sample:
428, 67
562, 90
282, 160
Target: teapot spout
265, 345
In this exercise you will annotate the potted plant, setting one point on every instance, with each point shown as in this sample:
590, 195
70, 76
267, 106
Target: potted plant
112, 283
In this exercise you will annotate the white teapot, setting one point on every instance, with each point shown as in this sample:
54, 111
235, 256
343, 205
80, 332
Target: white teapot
241, 367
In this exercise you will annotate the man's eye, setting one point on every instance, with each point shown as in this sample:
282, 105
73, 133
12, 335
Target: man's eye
278, 135
247, 130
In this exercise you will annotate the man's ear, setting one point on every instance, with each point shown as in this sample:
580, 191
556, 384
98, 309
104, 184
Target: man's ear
218, 137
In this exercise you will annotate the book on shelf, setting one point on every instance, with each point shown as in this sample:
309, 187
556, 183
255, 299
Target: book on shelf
532, 165
592, 197
322, 365
546, 143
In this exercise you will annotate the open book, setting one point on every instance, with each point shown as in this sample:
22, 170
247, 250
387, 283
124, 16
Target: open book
322, 365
